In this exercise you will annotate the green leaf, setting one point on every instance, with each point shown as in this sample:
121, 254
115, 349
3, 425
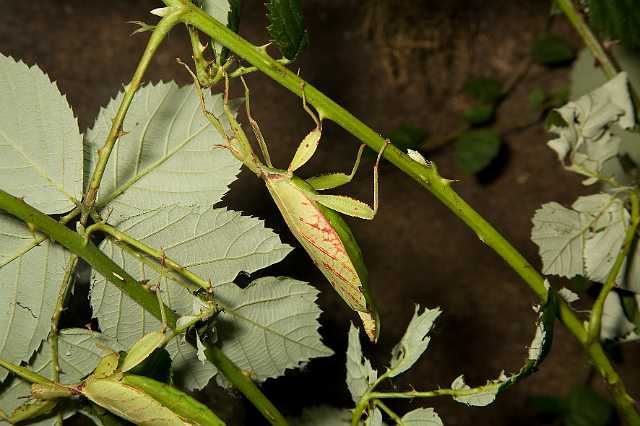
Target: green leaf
286, 27
414, 342
270, 326
583, 240
478, 114
617, 20
40, 144
422, 417
537, 98
79, 350
168, 155
407, 136
475, 149
486, 90
550, 49
29, 282
587, 408
217, 245
360, 374
323, 415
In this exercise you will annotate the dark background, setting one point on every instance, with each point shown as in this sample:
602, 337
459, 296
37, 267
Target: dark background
388, 63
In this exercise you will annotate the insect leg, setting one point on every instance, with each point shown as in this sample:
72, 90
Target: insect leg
308, 146
334, 180
375, 176
254, 125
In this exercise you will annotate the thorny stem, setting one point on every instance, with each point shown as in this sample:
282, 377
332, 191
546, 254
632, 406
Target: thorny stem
595, 321
88, 202
590, 40
593, 44
427, 176
102, 264
159, 255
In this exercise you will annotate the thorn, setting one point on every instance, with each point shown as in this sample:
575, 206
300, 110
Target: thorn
142, 27
264, 48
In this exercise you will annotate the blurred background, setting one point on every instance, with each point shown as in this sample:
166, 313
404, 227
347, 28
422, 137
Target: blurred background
404, 67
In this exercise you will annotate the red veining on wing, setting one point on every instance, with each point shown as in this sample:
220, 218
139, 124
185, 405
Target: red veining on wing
347, 293
329, 234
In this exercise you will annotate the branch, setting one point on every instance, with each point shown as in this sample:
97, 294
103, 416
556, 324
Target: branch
78, 245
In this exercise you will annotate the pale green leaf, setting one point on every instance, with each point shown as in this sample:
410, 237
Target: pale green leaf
28, 289
166, 157
587, 76
374, 418
558, 233
422, 417
586, 142
40, 144
323, 415
360, 374
615, 324
485, 395
583, 240
270, 326
568, 295
79, 350
216, 245
414, 342
607, 221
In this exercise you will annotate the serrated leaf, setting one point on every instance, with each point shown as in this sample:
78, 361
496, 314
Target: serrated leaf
475, 149
167, 157
323, 415
568, 295
587, 76
550, 49
28, 289
617, 20
270, 326
608, 220
486, 90
422, 417
286, 27
584, 240
586, 142
478, 399
216, 245
360, 374
414, 342
40, 144
79, 350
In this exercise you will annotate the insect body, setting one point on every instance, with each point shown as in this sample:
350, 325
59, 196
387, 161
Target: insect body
312, 217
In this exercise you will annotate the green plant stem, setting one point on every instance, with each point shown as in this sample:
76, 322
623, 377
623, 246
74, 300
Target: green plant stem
79, 246
244, 385
159, 255
388, 410
588, 37
25, 373
160, 31
426, 176
595, 320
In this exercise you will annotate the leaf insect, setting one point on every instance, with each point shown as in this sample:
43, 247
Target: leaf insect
138, 399
313, 218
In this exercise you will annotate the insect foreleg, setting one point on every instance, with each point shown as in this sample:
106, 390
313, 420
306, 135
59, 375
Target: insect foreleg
309, 144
